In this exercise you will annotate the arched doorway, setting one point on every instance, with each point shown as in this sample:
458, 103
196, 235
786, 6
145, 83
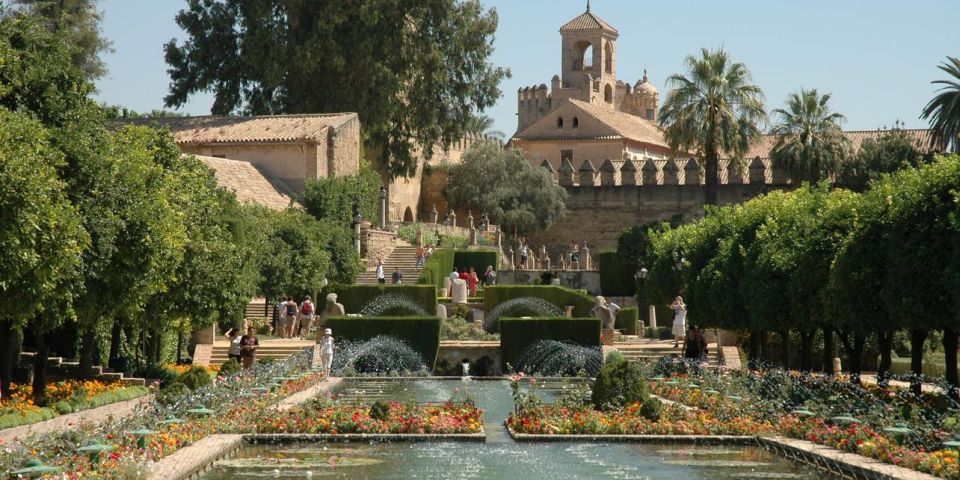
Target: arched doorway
408, 215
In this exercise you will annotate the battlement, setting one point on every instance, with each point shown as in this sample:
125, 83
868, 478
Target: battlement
661, 172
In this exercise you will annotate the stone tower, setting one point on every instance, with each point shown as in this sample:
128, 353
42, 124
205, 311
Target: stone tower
589, 60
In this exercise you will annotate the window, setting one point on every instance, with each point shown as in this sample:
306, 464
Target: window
608, 58
608, 94
559, 122
649, 114
576, 122
588, 57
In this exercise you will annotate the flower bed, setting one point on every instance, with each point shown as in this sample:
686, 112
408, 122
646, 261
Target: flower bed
67, 396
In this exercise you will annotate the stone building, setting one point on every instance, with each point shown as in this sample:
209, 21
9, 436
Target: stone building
288, 148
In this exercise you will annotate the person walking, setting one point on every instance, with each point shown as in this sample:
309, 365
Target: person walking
290, 327
381, 278
233, 335
397, 277
281, 322
326, 353
306, 316
420, 256
523, 255
489, 277
472, 281
429, 253
248, 348
679, 329
575, 256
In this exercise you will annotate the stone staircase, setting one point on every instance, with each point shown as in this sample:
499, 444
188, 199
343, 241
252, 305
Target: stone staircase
275, 349
654, 351
59, 367
403, 257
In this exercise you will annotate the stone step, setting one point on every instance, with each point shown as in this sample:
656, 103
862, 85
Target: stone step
133, 382
111, 376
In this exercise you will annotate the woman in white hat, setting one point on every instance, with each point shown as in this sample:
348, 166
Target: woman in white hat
326, 352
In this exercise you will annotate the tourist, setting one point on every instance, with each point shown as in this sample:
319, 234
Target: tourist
694, 344
429, 252
420, 256
281, 321
455, 275
326, 353
523, 255
489, 277
679, 329
306, 316
291, 307
472, 281
381, 278
574, 256
248, 347
397, 277
233, 335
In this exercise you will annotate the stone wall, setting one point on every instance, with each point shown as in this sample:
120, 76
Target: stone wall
291, 163
343, 148
588, 280
376, 243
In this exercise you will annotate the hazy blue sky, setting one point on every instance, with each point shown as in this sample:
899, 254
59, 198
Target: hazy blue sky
876, 57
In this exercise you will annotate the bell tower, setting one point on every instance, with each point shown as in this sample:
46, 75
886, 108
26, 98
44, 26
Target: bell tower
589, 58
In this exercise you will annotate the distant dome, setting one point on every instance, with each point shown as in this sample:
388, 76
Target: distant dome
644, 86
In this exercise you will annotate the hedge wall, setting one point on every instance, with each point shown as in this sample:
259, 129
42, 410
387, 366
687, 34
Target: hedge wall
354, 297
478, 259
555, 294
516, 334
628, 320
421, 333
437, 268
616, 275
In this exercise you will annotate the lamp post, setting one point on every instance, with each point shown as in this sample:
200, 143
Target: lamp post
357, 218
383, 207
640, 275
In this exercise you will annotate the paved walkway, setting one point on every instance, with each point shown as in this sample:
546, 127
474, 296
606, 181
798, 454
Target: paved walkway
833, 459
70, 420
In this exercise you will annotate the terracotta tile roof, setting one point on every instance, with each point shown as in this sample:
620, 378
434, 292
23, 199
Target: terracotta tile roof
258, 129
249, 183
920, 138
630, 127
587, 21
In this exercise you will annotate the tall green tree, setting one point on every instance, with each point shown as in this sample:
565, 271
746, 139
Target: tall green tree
415, 71
334, 198
78, 22
518, 196
943, 110
714, 109
892, 151
810, 143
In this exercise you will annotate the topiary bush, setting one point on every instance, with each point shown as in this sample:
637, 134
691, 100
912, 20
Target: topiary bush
420, 333
229, 368
517, 334
628, 320
354, 297
651, 409
437, 268
171, 393
380, 410
560, 296
618, 384
194, 378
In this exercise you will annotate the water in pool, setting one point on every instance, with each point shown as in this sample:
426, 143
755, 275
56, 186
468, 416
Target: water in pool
499, 457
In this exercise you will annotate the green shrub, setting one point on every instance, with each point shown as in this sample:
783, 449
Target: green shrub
651, 409
437, 268
15, 419
380, 410
229, 368
421, 333
628, 320
354, 297
660, 333
158, 372
456, 328
171, 393
615, 356
194, 378
555, 294
63, 406
618, 384
616, 274
516, 334
479, 260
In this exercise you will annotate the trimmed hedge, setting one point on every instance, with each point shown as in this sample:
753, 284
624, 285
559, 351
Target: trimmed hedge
516, 334
478, 259
354, 297
421, 333
628, 320
555, 294
437, 268
616, 275
10, 420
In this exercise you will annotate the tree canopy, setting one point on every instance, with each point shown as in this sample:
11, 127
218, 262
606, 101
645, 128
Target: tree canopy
415, 71
516, 195
78, 21
943, 110
810, 143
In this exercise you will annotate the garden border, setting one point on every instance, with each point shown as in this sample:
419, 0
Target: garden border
66, 421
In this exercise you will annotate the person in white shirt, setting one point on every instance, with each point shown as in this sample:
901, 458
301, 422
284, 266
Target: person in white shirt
326, 353
381, 278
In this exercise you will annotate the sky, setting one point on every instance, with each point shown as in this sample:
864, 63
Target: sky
877, 58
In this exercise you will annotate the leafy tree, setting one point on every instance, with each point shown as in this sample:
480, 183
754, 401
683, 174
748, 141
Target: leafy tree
714, 109
40, 235
810, 143
334, 198
943, 111
413, 70
78, 22
892, 151
515, 194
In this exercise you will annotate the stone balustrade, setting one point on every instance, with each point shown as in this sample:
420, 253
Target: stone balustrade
617, 173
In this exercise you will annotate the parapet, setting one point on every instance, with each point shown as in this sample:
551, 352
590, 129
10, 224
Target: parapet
625, 173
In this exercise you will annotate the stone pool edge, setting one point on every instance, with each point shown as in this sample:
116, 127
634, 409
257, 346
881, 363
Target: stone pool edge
818, 456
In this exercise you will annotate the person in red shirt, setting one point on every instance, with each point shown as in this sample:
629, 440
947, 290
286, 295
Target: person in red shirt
472, 281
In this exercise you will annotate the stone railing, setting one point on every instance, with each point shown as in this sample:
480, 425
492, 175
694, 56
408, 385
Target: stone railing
660, 172
376, 243
539, 259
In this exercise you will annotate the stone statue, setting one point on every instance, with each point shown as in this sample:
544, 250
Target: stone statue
459, 291
605, 311
332, 309
441, 312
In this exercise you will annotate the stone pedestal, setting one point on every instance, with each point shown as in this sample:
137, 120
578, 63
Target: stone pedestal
652, 320
568, 311
441, 312
459, 291
607, 335
836, 365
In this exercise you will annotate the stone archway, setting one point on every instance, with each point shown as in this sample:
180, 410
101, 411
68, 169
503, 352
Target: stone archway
408, 215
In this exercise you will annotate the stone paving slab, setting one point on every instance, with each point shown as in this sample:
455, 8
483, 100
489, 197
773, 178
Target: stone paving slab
850, 464
196, 458
66, 422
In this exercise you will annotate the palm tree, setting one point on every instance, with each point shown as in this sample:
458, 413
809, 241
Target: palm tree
714, 109
943, 111
810, 143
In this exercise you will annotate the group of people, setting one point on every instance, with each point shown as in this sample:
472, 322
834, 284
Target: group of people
294, 319
243, 348
694, 343
473, 280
